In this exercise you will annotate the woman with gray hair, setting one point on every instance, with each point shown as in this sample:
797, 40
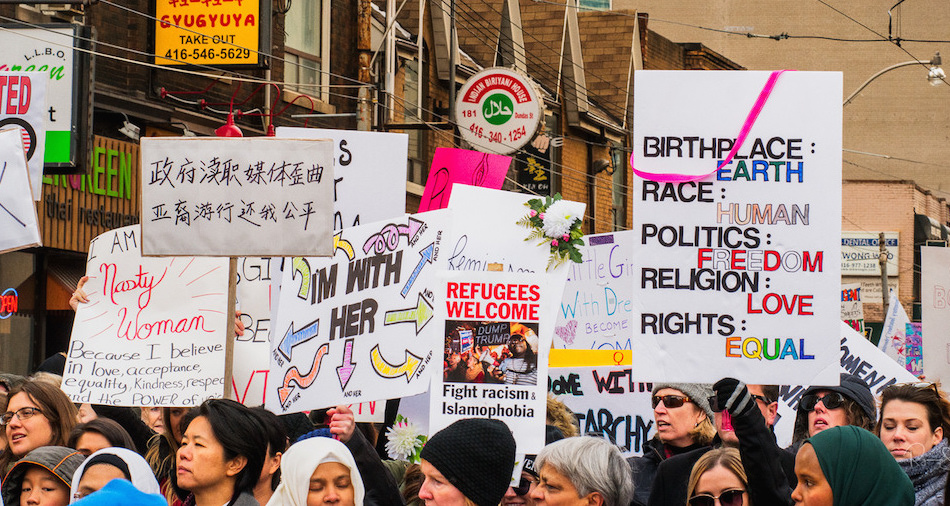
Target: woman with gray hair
582, 469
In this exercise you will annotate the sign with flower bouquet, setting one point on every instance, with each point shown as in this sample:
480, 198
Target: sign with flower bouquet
558, 222
405, 441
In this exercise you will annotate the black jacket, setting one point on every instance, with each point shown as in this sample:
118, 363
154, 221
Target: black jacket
644, 468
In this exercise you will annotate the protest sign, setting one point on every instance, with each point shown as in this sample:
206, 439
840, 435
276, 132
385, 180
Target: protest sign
608, 401
914, 348
23, 96
858, 356
505, 381
214, 196
893, 339
453, 165
18, 224
153, 331
251, 363
356, 327
737, 267
369, 173
935, 311
598, 303
852, 308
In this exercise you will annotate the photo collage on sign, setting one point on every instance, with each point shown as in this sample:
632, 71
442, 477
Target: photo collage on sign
491, 352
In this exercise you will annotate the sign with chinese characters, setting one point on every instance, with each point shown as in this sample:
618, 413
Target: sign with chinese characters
234, 196
498, 110
211, 32
18, 223
738, 240
356, 327
23, 105
153, 331
860, 252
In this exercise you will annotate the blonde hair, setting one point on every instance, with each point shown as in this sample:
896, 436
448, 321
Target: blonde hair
560, 416
704, 432
727, 458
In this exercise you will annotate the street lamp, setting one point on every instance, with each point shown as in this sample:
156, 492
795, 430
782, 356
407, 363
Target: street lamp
935, 75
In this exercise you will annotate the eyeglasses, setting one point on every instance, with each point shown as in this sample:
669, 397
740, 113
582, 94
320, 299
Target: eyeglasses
671, 401
524, 486
21, 414
830, 401
727, 498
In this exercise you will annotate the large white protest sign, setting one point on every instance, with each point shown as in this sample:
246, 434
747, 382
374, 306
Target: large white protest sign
369, 173
935, 311
737, 268
153, 331
857, 356
356, 327
251, 363
235, 196
23, 105
494, 356
607, 401
598, 303
18, 224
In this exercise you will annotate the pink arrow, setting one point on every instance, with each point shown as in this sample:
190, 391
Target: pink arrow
345, 371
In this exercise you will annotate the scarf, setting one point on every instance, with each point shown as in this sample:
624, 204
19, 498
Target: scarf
928, 473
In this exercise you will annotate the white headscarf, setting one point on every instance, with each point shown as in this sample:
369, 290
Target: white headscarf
301, 460
142, 476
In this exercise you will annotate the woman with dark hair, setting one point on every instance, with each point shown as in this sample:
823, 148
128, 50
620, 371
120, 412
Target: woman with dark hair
161, 452
94, 435
276, 446
824, 407
221, 455
915, 423
38, 414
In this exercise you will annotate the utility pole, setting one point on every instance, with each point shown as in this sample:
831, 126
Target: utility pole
364, 43
882, 261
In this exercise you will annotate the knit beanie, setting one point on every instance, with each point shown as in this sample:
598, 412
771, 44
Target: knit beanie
699, 393
476, 455
854, 388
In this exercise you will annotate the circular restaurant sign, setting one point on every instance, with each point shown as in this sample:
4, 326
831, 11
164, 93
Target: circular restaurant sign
498, 111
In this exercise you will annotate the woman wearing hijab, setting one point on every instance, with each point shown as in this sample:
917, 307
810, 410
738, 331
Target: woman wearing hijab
849, 466
318, 471
110, 463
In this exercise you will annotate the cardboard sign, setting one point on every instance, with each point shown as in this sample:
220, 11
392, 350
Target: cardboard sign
737, 270
369, 170
451, 165
23, 105
18, 223
609, 402
504, 382
214, 196
935, 311
153, 332
598, 303
857, 356
356, 327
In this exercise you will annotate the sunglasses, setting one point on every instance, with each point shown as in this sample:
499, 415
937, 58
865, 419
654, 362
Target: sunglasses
713, 401
524, 486
830, 401
728, 498
671, 401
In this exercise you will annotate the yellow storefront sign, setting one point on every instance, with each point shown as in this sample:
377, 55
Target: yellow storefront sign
207, 32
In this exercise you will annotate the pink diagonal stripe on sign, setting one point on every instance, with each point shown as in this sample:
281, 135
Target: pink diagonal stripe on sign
749, 121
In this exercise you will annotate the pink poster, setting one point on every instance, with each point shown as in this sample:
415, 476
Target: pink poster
451, 165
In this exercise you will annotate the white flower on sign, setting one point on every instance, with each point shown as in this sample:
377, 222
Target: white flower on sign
560, 217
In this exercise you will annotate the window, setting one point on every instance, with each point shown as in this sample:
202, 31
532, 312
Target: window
594, 5
416, 168
619, 186
307, 47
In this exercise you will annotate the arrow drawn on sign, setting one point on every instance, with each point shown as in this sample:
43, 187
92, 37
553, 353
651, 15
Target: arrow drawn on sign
302, 266
387, 239
293, 375
387, 370
421, 314
292, 338
345, 371
426, 255
339, 243
411, 230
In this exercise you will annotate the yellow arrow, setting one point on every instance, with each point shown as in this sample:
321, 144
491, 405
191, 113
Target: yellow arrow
387, 370
340, 243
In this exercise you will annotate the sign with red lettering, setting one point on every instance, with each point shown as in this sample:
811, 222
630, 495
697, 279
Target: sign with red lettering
23, 105
9, 302
211, 32
738, 226
153, 332
498, 110
18, 223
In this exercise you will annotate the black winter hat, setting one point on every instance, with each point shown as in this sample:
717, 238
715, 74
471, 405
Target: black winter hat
477, 455
854, 388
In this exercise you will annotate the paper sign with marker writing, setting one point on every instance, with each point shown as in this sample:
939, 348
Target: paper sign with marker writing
738, 273
935, 312
369, 170
609, 402
153, 332
598, 303
251, 365
18, 223
453, 165
501, 380
237, 196
23, 100
857, 356
356, 327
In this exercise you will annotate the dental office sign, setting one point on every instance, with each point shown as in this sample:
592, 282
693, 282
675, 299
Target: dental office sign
498, 111
737, 268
